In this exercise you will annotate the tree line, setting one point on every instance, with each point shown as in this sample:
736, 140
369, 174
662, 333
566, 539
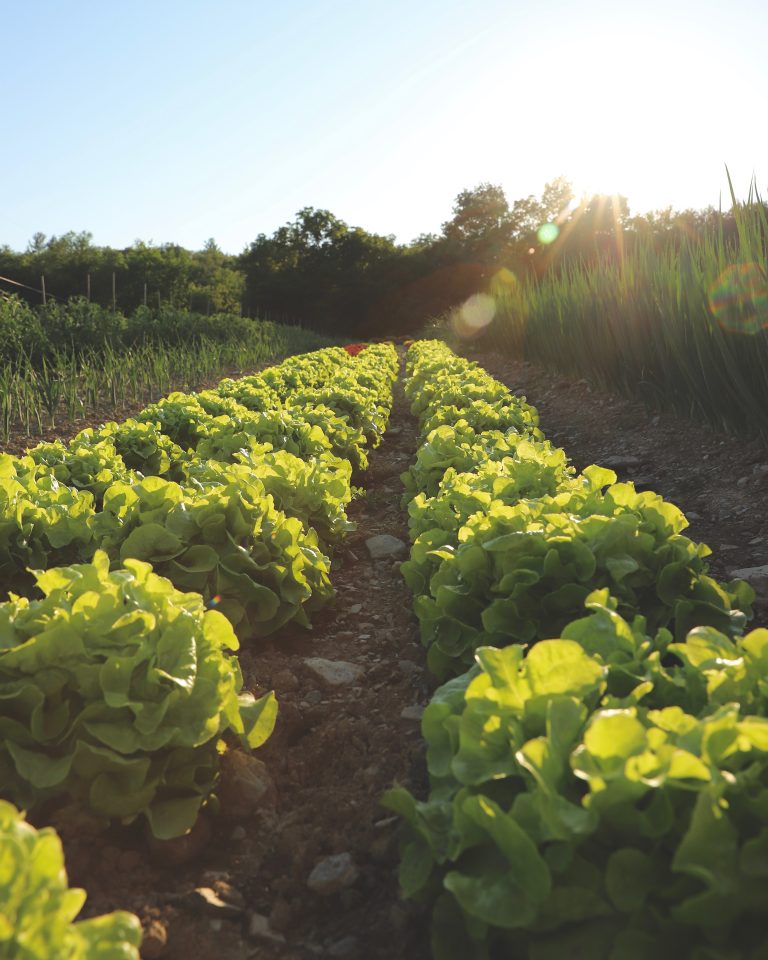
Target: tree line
322, 273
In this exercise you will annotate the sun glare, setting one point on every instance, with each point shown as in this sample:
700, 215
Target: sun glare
619, 117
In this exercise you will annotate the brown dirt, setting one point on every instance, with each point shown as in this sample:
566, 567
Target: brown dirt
337, 749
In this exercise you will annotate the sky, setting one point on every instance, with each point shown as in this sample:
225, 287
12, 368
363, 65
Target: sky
173, 121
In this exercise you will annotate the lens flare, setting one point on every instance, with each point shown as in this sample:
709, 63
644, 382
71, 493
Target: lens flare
215, 601
503, 282
738, 298
474, 315
548, 233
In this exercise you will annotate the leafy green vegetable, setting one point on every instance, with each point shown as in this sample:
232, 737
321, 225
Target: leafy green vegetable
85, 466
42, 522
224, 539
37, 908
116, 690
590, 781
602, 794
143, 447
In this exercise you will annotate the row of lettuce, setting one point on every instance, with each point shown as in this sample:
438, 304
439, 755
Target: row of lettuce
130, 556
598, 754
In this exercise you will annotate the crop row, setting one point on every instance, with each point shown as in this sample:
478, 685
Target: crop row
131, 554
599, 774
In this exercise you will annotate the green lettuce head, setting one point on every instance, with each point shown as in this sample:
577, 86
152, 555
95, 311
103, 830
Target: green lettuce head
115, 692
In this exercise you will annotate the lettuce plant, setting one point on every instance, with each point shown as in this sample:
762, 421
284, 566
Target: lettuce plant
117, 690
520, 573
42, 522
601, 795
85, 466
143, 447
317, 491
38, 909
224, 539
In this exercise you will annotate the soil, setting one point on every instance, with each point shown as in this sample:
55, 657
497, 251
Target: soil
336, 749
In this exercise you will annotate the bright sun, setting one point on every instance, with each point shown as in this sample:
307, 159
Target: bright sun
619, 100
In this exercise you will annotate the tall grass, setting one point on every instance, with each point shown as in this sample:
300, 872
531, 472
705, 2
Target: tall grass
682, 322
94, 381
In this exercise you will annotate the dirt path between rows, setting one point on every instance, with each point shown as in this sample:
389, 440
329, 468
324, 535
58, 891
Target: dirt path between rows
313, 872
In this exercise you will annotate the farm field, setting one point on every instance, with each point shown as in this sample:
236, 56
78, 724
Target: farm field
256, 881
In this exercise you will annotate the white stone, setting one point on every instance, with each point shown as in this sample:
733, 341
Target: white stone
386, 547
335, 672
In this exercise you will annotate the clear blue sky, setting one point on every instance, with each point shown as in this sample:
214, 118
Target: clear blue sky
172, 121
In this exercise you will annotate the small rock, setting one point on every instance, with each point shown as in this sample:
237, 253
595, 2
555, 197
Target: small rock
728, 546
245, 784
692, 515
755, 540
620, 462
312, 698
207, 900
656, 421
154, 940
259, 929
332, 874
412, 713
239, 833
756, 577
394, 431
356, 608
229, 894
285, 680
742, 481
408, 667
345, 949
335, 672
761, 469
386, 547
